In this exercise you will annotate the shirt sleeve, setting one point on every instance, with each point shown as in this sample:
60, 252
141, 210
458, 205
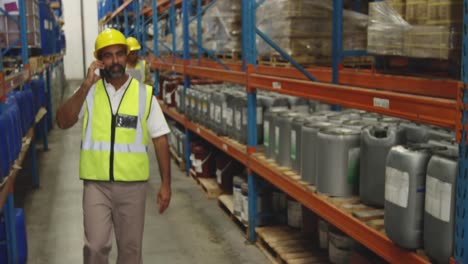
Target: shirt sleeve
156, 123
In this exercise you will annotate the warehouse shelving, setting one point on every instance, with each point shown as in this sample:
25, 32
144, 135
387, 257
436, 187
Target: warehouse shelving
11, 82
440, 102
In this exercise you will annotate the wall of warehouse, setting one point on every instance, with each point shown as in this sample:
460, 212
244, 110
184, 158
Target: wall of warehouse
74, 63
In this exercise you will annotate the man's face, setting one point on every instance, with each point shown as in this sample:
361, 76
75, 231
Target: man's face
132, 57
115, 59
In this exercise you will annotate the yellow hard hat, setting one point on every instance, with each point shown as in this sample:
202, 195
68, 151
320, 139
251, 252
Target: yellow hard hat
133, 44
109, 37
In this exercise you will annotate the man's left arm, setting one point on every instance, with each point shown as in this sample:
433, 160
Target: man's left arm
161, 147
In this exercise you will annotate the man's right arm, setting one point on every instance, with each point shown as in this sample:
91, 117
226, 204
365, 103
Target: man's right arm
67, 114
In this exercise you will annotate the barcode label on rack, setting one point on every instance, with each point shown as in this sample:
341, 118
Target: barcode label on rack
383, 103
276, 85
198, 130
225, 147
173, 68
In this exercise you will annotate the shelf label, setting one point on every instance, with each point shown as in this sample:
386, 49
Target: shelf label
383, 103
198, 130
173, 67
276, 85
225, 147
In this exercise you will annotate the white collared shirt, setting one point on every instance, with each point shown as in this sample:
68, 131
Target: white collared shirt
156, 123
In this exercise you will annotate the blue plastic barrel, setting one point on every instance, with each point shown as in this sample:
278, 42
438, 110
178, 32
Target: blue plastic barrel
21, 238
5, 159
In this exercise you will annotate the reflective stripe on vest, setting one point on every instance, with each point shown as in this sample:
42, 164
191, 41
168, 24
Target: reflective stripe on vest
139, 71
129, 157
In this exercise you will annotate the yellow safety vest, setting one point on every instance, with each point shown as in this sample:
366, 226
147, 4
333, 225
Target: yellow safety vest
139, 72
114, 147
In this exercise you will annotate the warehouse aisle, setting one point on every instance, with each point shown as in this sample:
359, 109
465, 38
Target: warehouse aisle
193, 230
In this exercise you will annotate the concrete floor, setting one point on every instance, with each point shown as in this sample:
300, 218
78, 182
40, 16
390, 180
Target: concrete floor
193, 230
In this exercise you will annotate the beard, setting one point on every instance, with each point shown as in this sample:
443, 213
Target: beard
114, 71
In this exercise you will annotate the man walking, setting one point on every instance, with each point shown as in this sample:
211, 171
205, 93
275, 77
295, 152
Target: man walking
120, 118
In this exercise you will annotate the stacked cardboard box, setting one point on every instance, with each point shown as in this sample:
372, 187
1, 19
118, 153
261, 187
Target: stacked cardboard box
303, 29
418, 29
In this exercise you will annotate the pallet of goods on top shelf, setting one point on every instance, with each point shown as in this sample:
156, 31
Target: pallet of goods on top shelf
425, 35
303, 29
10, 29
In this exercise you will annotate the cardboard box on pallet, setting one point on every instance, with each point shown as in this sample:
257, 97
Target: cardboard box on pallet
303, 30
417, 12
436, 42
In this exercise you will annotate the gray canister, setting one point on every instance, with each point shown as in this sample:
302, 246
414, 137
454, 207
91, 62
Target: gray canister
405, 178
339, 247
240, 106
296, 143
237, 194
298, 104
269, 131
282, 140
243, 133
338, 162
188, 104
273, 102
229, 115
245, 203
309, 150
339, 118
180, 99
356, 124
376, 142
219, 99
436, 133
416, 133
182, 145
204, 118
371, 117
440, 207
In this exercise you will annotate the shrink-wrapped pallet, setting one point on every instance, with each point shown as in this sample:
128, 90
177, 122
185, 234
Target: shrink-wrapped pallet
303, 29
222, 27
385, 35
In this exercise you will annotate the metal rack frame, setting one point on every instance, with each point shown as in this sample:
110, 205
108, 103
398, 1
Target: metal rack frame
437, 102
7, 84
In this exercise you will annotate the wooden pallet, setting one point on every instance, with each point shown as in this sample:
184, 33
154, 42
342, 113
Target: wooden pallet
230, 57
307, 60
373, 217
226, 203
282, 244
209, 185
179, 161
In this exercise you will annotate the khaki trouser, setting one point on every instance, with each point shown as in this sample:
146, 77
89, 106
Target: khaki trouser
120, 206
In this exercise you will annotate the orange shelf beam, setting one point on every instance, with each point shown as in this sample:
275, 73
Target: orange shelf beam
15, 80
440, 112
356, 229
217, 74
442, 88
171, 112
236, 151
162, 6
117, 11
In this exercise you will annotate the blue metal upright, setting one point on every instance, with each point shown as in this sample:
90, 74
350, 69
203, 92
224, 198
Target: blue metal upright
337, 43
172, 28
248, 39
43, 122
155, 45
461, 211
126, 27
185, 24
199, 31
